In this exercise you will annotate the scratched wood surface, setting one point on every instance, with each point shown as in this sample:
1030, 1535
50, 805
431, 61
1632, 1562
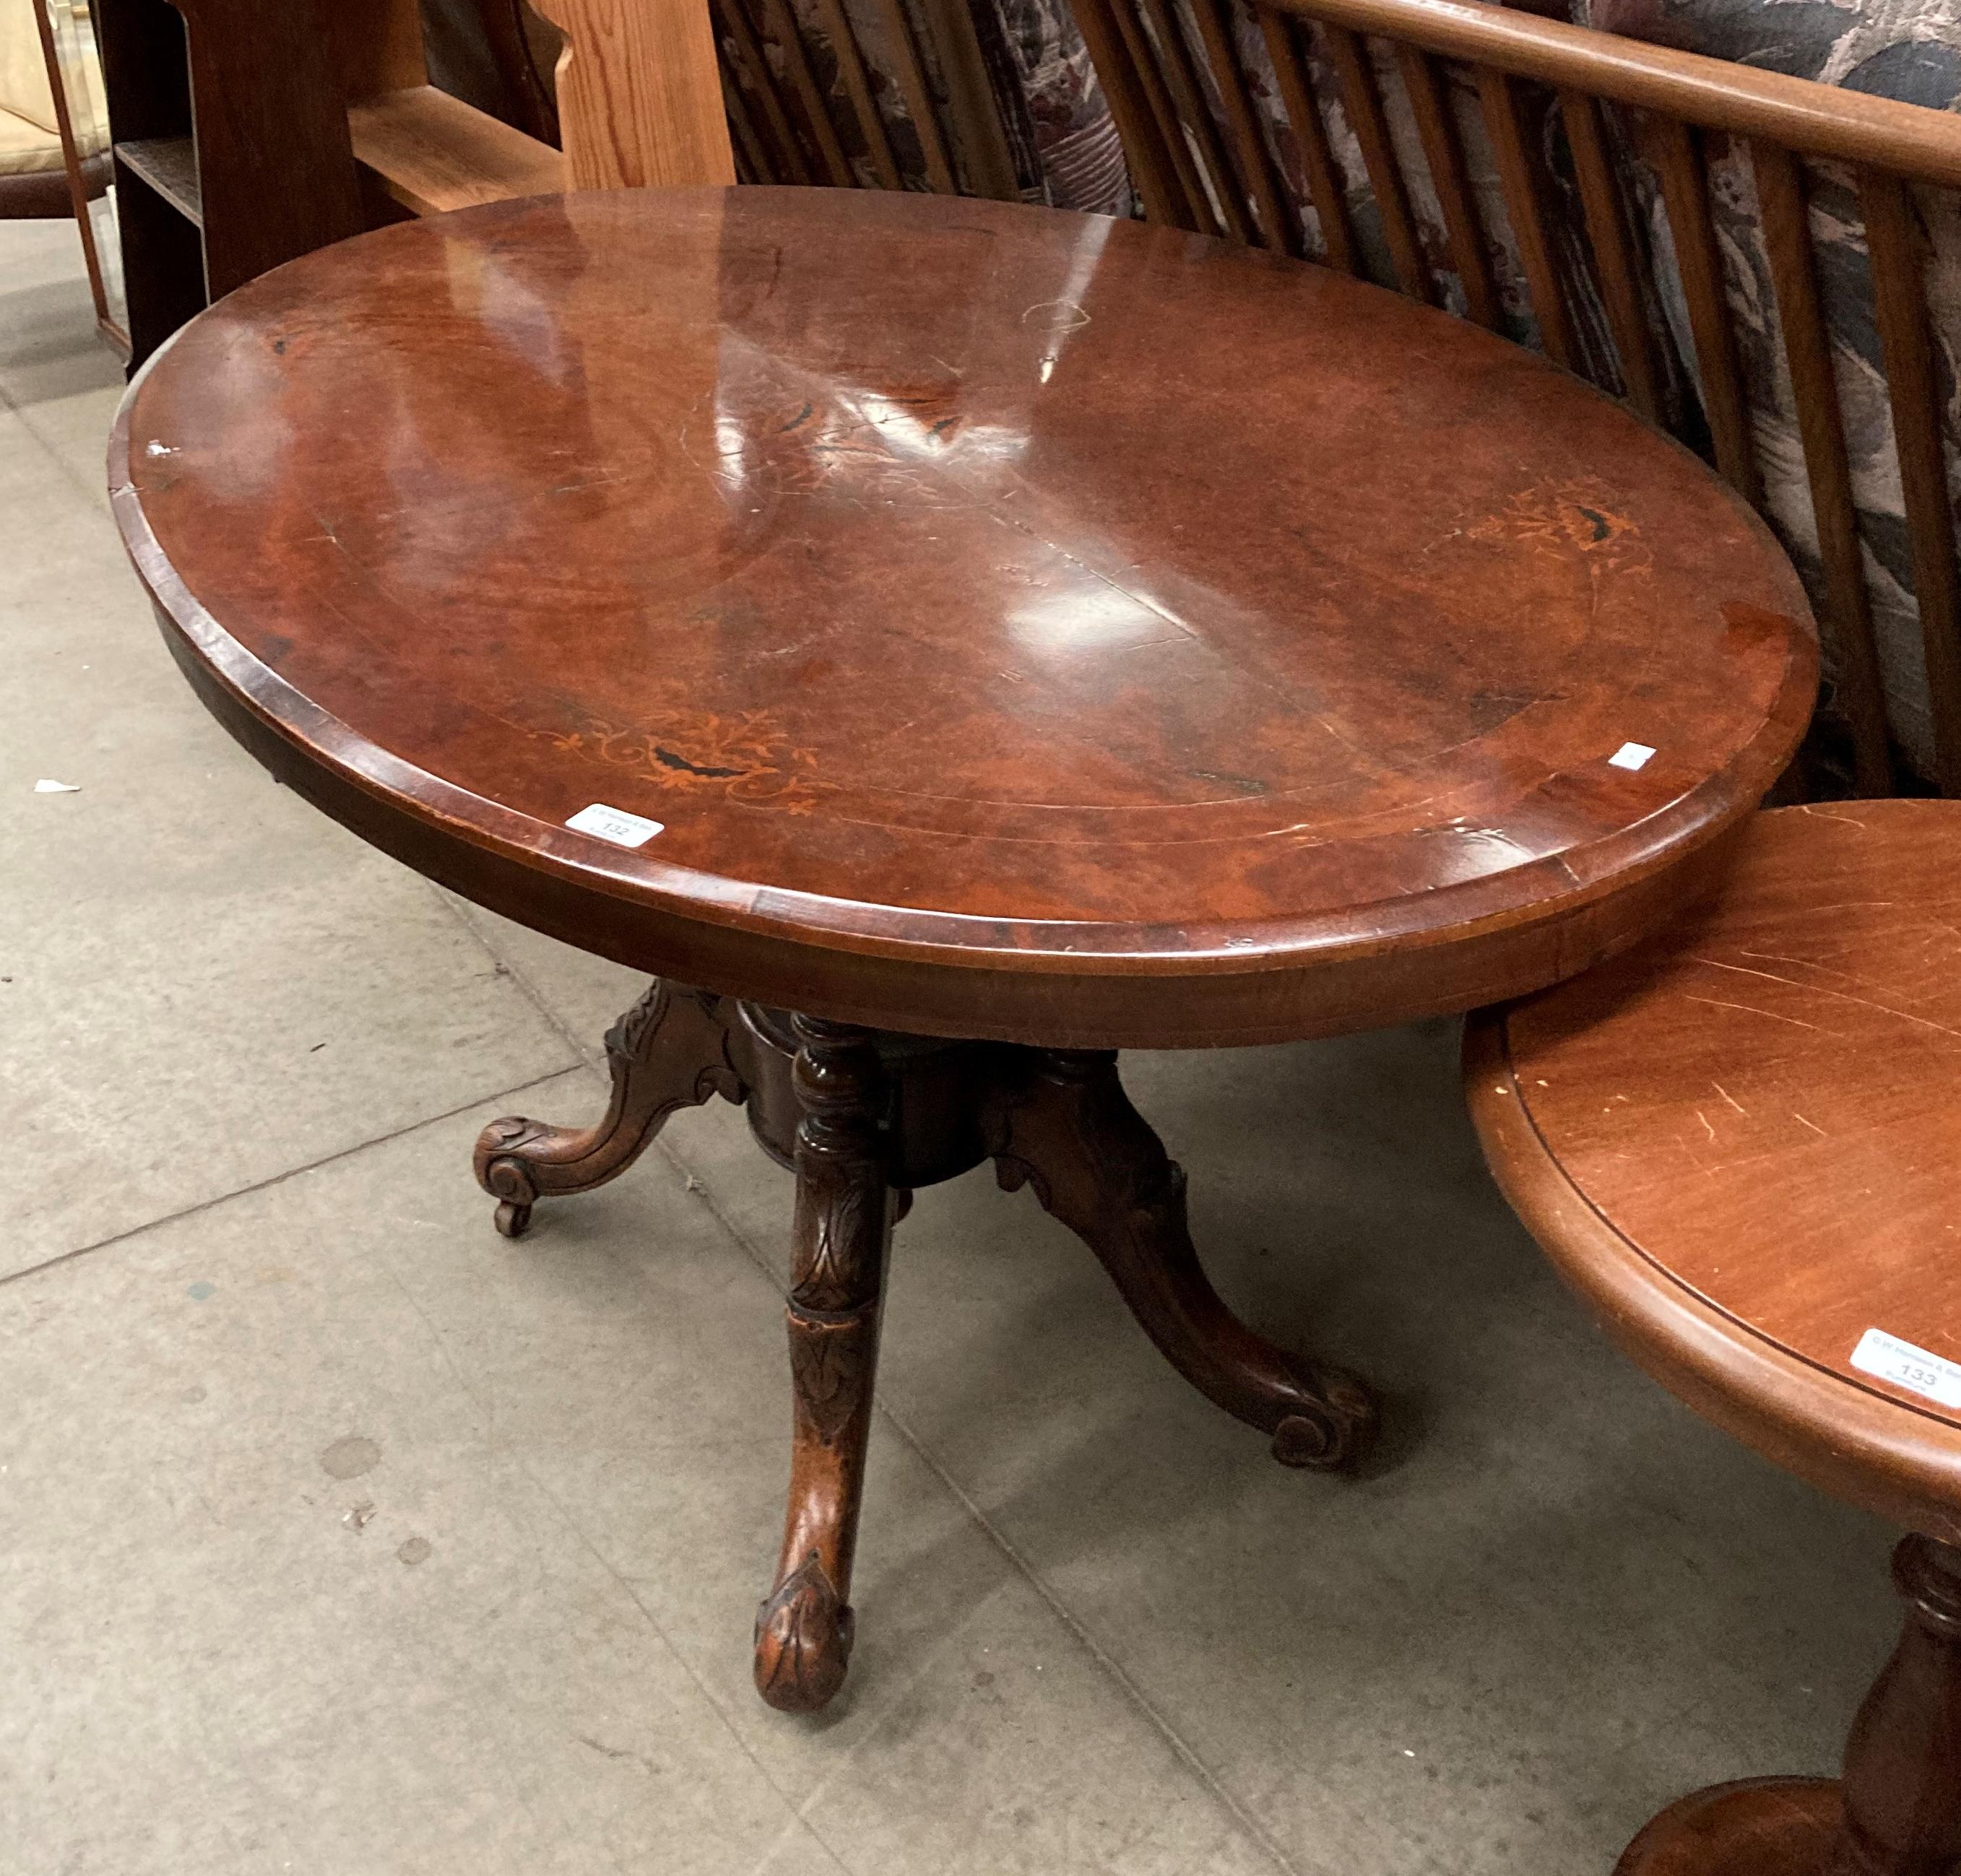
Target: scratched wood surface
1741, 1140
1078, 605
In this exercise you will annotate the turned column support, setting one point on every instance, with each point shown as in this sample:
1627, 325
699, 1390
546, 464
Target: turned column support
1901, 1784
845, 1211
1896, 1810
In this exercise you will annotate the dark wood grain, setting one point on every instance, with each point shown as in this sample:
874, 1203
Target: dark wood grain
976, 696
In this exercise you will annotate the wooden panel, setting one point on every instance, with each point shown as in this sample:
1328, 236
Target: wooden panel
749, 63
858, 88
1227, 206
1899, 304
1799, 113
639, 94
1364, 105
1325, 187
1443, 151
1146, 124
1518, 177
1613, 254
1684, 186
169, 165
1814, 390
376, 45
431, 152
1256, 173
919, 99
275, 168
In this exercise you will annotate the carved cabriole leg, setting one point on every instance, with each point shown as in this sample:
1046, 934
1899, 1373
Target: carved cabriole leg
1897, 1809
671, 1050
1067, 1128
844, 1216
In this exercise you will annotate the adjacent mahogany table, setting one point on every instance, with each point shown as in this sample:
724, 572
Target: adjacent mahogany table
1739, 1143
998, 637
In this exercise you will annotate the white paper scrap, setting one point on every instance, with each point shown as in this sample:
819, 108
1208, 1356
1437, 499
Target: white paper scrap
1630, 755
44, 786
614, 824
1907, 1366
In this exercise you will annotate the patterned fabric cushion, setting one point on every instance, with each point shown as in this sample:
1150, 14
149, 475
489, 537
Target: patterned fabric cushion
1064, 140
1908, 49
1059, 134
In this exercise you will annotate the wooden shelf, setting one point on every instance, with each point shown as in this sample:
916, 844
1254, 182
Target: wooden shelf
169, 165
430, 151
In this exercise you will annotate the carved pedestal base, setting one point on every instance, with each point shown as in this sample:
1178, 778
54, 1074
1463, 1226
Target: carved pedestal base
865, 1117
1897, 1809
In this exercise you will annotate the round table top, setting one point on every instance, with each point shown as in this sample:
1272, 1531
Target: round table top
1743, 1139
1018, 623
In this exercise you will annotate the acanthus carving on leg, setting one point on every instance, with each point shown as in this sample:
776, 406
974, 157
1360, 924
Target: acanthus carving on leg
1064, 1126
844, 1214
673, 1049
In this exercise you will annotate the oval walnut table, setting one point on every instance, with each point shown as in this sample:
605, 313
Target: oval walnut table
1742, 1144
998, 637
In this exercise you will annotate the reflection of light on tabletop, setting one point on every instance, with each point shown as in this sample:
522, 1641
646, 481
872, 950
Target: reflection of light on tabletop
1089, 616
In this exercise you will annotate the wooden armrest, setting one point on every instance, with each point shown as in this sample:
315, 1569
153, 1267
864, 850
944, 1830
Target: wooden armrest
1908, 140
430, 151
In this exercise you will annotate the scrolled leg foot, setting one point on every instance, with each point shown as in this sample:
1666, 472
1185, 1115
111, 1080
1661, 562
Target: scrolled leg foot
1064, 1126
845, 1210
674, 1049
803, 1641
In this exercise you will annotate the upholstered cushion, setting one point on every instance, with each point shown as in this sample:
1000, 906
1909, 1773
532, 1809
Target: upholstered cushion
25, 147
24, 72
1908, 49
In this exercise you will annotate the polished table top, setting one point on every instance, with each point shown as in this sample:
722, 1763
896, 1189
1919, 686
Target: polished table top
1018, 623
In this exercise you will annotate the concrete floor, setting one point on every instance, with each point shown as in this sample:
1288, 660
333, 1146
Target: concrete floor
338, 1535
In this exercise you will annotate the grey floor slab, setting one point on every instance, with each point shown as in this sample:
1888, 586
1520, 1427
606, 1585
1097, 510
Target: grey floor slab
342, 1536
48, 346
205, 983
